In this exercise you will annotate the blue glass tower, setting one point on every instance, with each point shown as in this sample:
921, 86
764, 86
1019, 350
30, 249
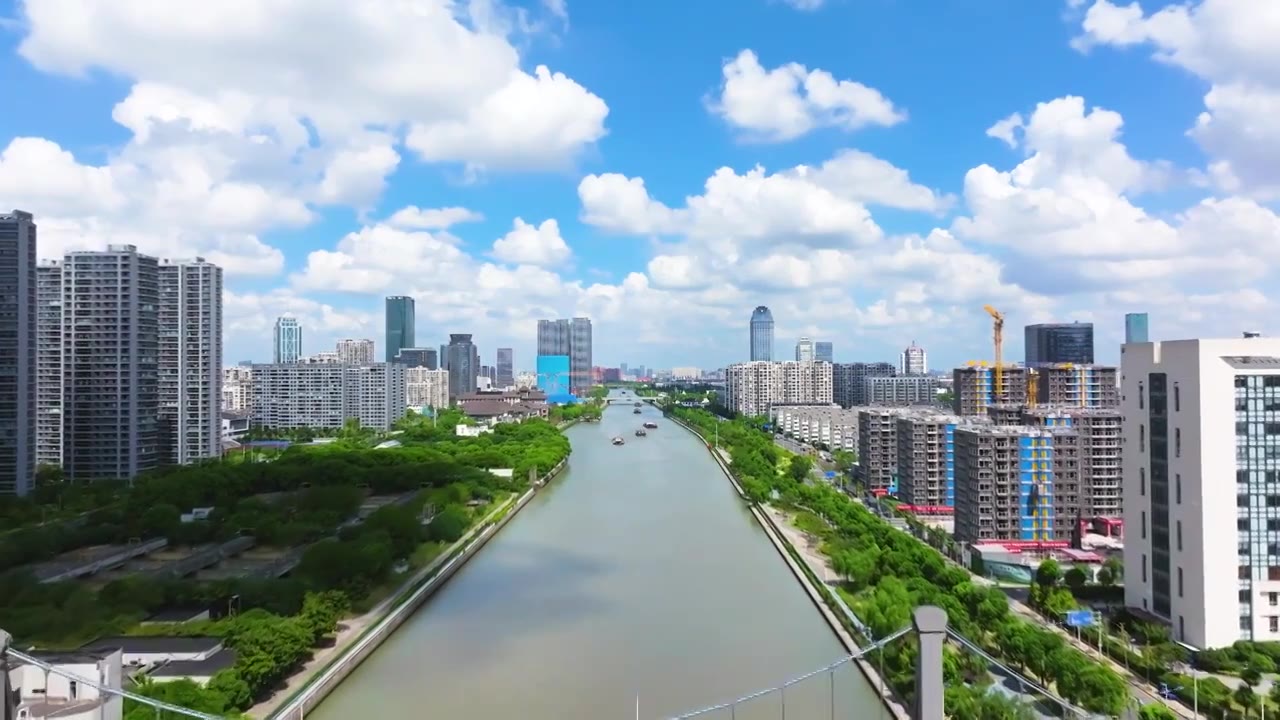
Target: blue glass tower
1135, 328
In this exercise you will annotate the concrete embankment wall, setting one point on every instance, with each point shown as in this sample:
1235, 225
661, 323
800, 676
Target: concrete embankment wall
340, 667
781, 544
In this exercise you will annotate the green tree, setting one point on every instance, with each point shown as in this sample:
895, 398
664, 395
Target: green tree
1075, 578
449, 524
800, 467
1048, 573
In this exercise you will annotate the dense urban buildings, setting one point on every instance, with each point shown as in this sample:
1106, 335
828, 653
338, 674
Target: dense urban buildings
1200, 418
401, 324
110, 343
355, 352
753, 388
287, 341
190, 360
804, 350
1136, 329
824, 352
418, 358
464, 364
913, 361
761, 335
504, 369
49, 363
18, 313
571, 338
1051, 343
849, 381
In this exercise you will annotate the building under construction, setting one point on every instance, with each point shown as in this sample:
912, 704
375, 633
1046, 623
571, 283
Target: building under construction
1074, 385
1007, 483
974, 388
926, 457
878, 449
1098, 437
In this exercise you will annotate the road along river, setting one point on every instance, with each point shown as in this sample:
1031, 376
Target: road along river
638, 572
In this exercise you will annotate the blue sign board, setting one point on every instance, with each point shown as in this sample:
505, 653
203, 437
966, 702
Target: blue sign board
831, 473
1080, 618
553, 374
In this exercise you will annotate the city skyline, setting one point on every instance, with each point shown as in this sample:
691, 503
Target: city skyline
916, 197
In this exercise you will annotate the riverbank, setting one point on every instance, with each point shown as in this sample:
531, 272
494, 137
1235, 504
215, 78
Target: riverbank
803, 570
364, 634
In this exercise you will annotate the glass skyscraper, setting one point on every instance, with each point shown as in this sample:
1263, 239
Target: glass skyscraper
1051, 343
1135, 327
400, 325
824, 352
288, 341
761, 334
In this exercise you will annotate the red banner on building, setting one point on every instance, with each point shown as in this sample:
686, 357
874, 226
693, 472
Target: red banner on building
927, 509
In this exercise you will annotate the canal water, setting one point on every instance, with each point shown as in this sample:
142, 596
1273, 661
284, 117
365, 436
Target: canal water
637, 573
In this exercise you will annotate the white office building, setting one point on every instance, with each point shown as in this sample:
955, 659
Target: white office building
190, 359
326, 395
426, 388
753, 388
1201, 418
804, 350
237, 388
42, 694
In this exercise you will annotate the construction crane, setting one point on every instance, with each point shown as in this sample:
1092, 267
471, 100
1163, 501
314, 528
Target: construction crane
997, 338
1033, 387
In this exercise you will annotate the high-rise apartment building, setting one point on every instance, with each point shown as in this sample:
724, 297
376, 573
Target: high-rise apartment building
1077, 385
326, 395
401, 325
901, 390
464, 364
849, 381
1010, 481
1136, 329
110, 348
571, 338
753, 388
1050, 343
49, 363
824, 352
1200, 420
237, 388
190, 360
925, 463
418, 358
18, 312
761, 335
804, 350
505, 371
877, 449
426, 388
287, 341
913, 361
355, 352
1098, 431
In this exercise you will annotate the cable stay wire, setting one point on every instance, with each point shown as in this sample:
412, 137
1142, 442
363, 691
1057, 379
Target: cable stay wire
1027, 682
780, 688
118, 692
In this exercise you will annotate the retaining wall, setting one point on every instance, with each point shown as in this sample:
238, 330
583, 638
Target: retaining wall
340, 667
784, 549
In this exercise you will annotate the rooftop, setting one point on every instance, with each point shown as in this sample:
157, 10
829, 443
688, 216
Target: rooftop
154, 644
220, 660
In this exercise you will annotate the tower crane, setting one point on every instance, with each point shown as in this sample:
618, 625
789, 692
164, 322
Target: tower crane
997, 338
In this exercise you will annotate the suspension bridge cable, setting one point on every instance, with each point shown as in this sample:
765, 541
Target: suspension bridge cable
157, 704
827, 668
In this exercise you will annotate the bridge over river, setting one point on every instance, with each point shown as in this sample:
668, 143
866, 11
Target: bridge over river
638, 572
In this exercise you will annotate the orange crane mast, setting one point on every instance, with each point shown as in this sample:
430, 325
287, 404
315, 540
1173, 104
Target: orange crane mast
997, 337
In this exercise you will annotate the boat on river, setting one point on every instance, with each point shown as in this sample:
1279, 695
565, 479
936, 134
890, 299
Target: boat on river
641, 433
618, 441
651, 424
636, 411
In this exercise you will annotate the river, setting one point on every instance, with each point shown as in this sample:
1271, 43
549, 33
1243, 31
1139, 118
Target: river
636, 573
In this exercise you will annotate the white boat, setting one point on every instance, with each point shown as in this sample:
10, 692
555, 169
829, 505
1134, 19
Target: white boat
618, 441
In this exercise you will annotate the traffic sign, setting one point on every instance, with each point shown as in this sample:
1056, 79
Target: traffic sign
1080, 618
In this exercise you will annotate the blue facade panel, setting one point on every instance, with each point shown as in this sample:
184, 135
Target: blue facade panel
553, 374
950, 498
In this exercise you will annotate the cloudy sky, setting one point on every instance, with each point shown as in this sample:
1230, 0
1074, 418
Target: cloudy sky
873, 170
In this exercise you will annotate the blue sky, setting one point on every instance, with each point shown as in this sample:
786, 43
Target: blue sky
676, 164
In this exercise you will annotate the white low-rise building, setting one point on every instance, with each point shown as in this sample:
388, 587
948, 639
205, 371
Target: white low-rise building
146, 652
43, 694
829, 425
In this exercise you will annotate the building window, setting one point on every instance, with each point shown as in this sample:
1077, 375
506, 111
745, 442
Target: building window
1144, 567
1177, 398
1140, 403
1142, 438
1274, 623
1179, 582
1177, 442
1273, 599
1177, 488
1142, 481
1144, 524
1182, 628
1178, 531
